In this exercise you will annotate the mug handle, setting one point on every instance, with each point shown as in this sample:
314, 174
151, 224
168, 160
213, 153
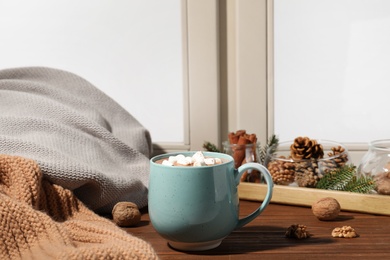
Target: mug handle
242, 222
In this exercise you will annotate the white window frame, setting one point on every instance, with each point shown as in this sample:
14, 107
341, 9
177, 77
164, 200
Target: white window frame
201, 76
244, 73
257, 16
247, 74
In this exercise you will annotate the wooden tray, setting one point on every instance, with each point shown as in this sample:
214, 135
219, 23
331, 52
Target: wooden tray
349, 201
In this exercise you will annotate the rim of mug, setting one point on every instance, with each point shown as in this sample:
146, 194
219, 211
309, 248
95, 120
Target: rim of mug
190, 153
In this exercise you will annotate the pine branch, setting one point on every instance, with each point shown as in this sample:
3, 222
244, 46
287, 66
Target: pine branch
210, 147
337, 179
273, 142
360, 185
344, 179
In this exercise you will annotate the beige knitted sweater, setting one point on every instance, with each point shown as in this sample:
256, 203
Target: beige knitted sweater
41, 220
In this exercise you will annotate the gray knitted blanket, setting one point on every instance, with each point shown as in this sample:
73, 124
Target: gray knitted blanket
80, 138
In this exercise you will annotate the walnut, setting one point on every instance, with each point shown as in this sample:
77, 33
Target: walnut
126, 214
297, 231
326, 208
382, 183
345, 232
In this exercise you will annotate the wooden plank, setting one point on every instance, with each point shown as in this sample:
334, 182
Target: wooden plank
349, 201
264, 237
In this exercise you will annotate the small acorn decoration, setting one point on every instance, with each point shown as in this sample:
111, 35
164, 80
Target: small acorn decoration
126, 214
326, 209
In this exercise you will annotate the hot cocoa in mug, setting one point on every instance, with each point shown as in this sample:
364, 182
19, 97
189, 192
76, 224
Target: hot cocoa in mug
193, 201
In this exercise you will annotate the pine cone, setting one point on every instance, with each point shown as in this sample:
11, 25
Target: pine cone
306, 173
305, 148
342, 158
338, 158
282, 171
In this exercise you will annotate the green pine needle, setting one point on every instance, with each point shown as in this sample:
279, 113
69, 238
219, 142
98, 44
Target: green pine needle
360, 185
210, 147
344, 179
337, 178
272, 141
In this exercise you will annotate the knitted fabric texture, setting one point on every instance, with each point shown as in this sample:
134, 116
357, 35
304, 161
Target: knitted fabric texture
40, 220
81, 138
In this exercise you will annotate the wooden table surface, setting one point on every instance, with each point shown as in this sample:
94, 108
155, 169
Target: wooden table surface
264, 238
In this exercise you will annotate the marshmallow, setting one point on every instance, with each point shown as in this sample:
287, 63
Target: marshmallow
172, 159
209, 161
198, 157
184, 161
167, 162
218, 160
180, 157
199, 164
190, 159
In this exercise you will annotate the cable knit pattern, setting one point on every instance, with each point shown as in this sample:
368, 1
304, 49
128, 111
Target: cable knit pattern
40, 220
81, 139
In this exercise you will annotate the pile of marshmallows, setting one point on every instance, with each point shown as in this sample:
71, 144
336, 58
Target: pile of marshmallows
197, 159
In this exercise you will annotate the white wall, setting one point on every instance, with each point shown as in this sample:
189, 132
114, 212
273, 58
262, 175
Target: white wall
132, 50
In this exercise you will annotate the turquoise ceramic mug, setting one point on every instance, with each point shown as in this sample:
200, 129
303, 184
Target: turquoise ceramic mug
195, 207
